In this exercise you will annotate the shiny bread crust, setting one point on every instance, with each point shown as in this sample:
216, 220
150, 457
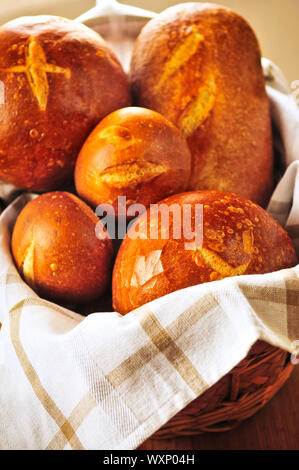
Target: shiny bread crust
56, 250
60, 79
199, 65
239, 237
136, 153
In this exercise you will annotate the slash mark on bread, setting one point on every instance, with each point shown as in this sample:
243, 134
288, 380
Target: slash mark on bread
198, 109
220, 267
181, 55
146, 268
120, 176
28, 264
36, 68
119, 136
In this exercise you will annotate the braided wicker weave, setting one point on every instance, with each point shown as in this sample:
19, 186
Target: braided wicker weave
235, 397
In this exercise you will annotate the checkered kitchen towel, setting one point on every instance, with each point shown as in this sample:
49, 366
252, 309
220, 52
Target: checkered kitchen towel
109, 382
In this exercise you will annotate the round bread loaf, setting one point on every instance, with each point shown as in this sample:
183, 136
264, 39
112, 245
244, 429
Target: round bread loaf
59, 79
238, 237
56, 249
199, 65
133, 152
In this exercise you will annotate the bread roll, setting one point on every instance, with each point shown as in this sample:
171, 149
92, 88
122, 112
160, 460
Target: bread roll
199, 65
238, 237
57, 252
133, 152
60, 78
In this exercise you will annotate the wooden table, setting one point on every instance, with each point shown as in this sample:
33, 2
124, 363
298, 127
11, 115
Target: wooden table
276, 426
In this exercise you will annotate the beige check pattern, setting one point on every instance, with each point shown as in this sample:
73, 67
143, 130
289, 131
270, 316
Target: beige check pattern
109, 382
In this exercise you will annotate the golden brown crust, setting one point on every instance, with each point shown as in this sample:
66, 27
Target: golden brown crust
239, 237
133, 152
200, 66
57, 252
60, 79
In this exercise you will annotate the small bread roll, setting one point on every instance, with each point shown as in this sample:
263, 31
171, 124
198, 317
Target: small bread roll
133, 152
60, 78
238, 237
199, 65
57, 252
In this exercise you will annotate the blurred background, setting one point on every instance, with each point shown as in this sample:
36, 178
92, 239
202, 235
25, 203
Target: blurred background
276, 22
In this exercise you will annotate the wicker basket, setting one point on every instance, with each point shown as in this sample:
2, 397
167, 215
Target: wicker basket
235, 397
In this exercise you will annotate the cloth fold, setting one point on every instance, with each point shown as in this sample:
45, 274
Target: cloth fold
108, 382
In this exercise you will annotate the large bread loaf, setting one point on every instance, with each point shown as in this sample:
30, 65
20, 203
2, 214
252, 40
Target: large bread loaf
200, 65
